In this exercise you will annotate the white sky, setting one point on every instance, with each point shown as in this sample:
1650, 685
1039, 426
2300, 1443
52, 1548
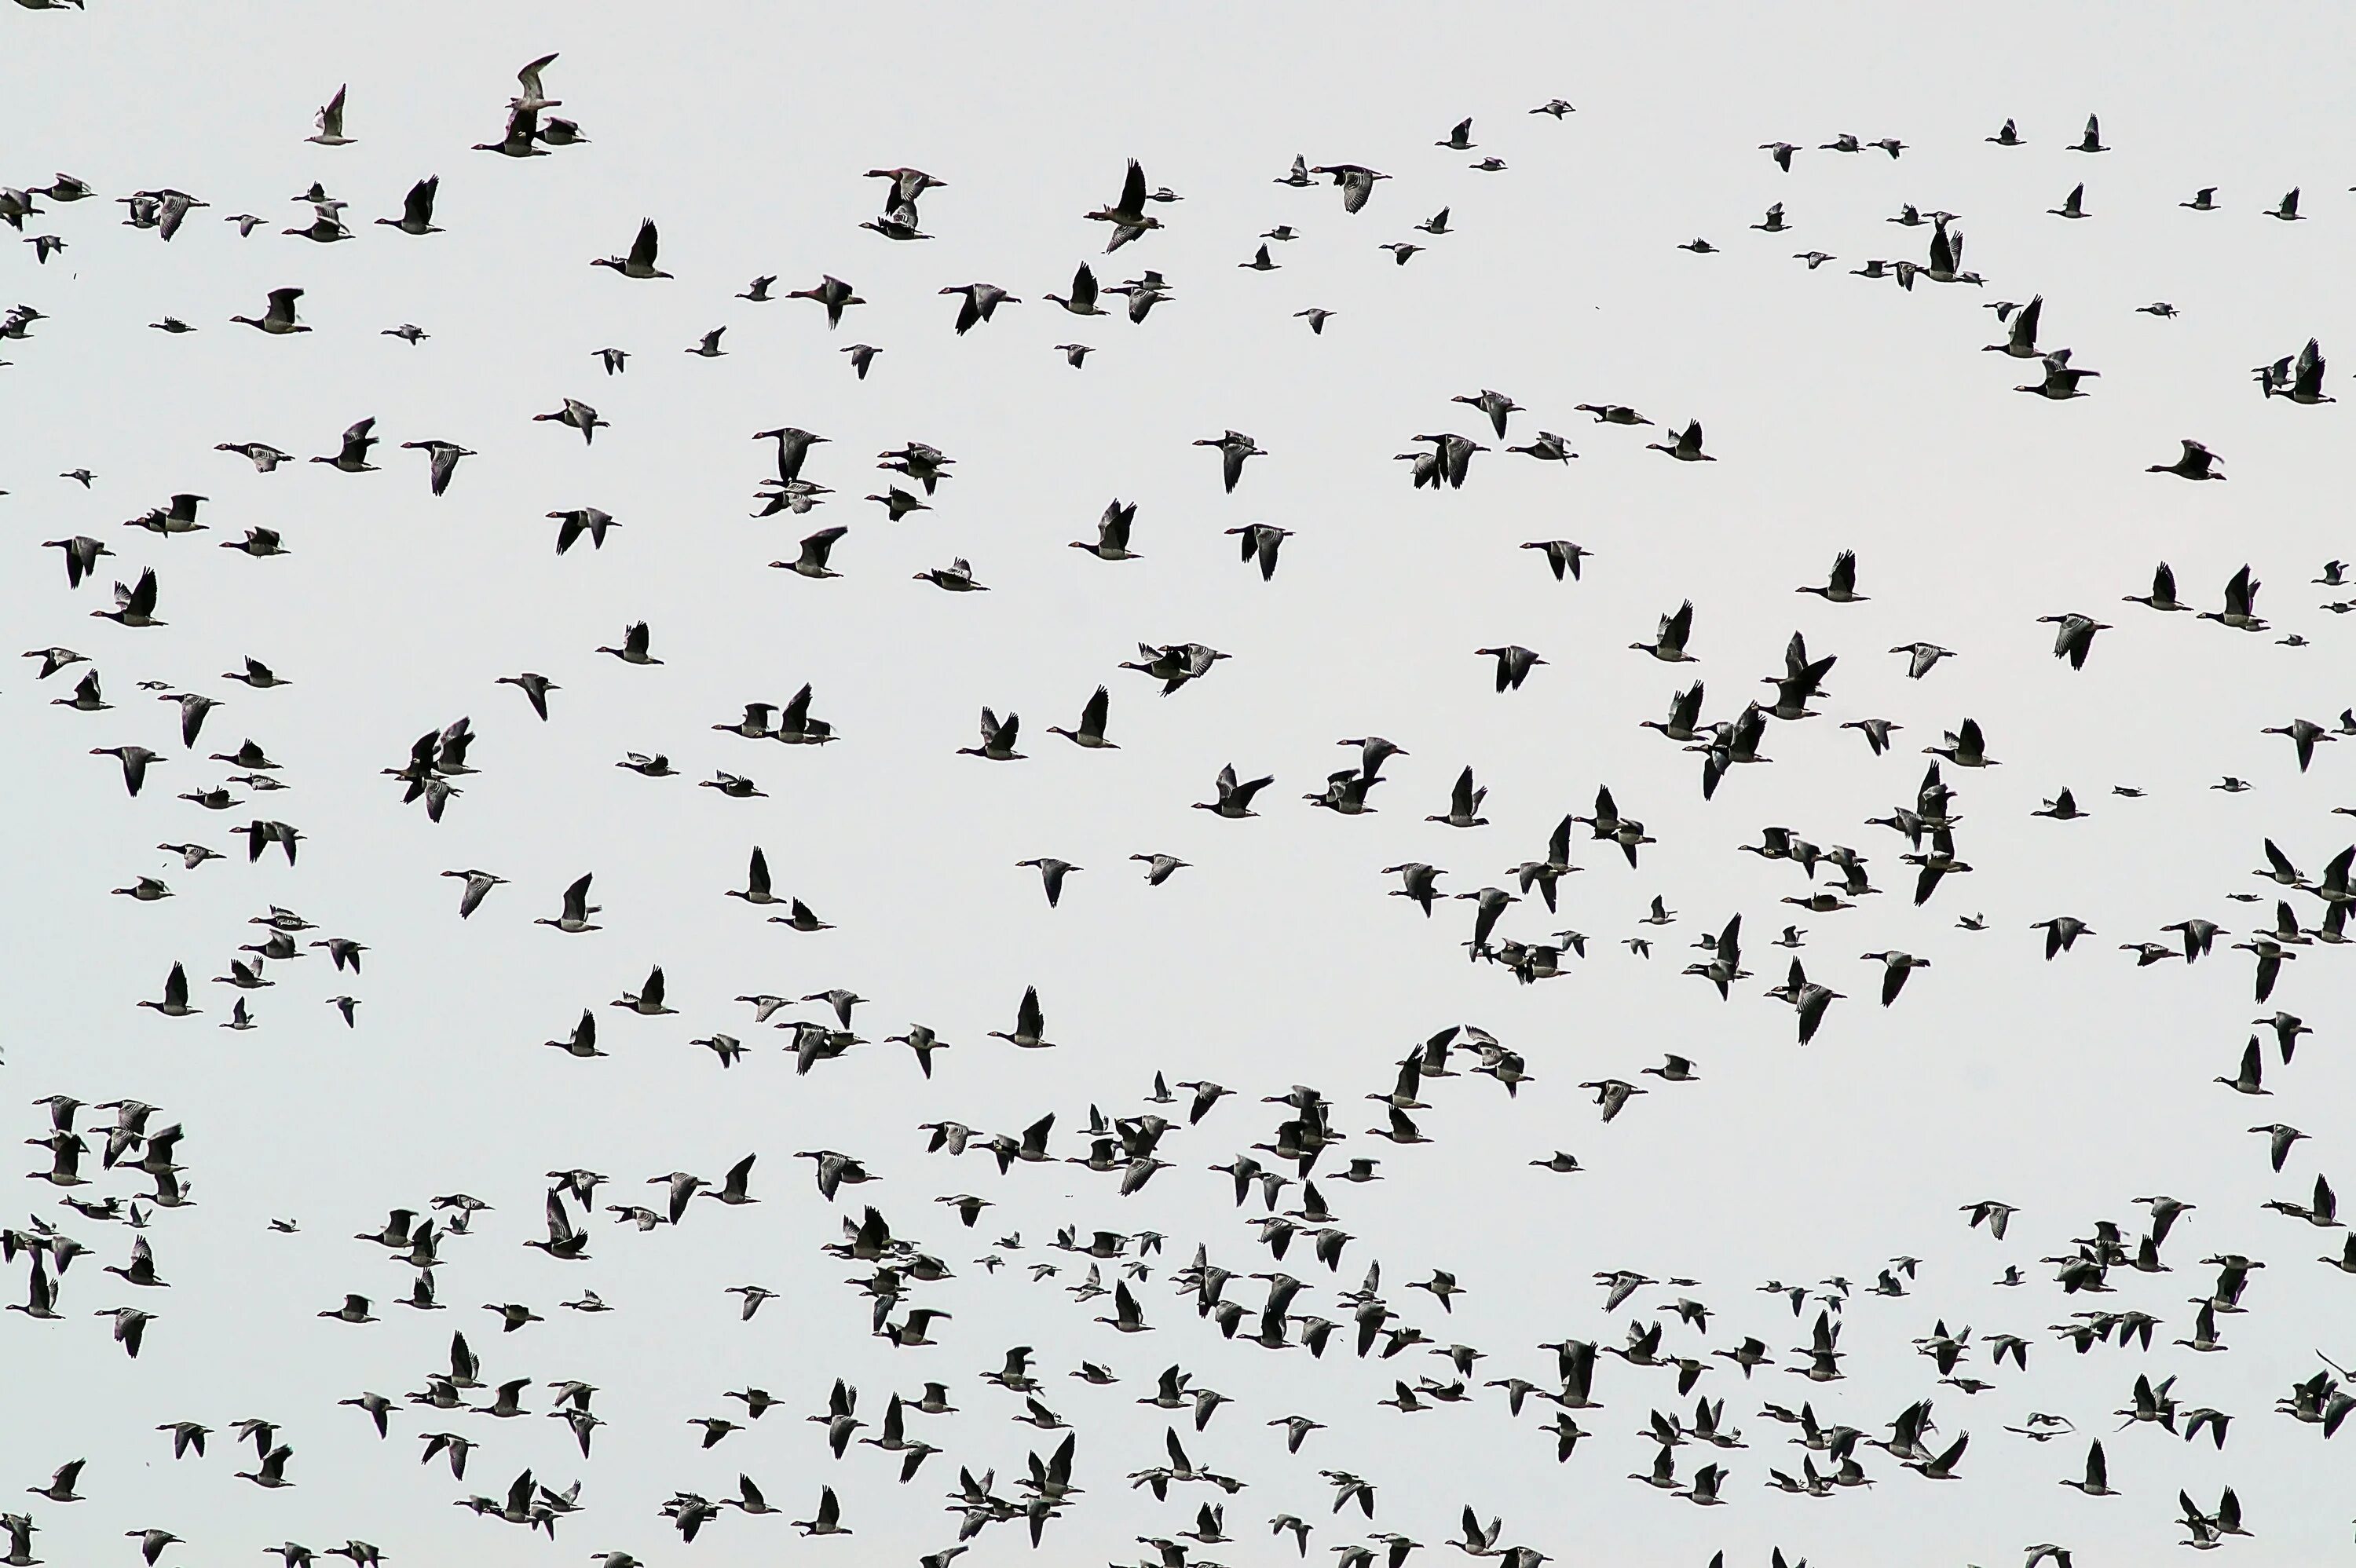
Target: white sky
1844, 415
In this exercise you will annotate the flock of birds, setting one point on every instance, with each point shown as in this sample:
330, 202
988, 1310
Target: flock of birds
106, 1186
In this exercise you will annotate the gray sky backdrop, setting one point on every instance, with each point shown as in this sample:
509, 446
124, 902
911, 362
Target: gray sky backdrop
1844, 415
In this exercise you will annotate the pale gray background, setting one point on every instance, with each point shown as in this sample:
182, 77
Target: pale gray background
1844, 415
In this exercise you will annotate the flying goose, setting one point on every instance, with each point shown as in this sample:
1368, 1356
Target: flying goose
1357, 181
1030, 1029
641, 262
1687, 446
279, 319
815, 549
445, 456
635, 640
1234, 448
1235, 798
837, 296
577, 415
1668, 643
980, 300
1260, 542
998, 739
1091, 732
1128, 215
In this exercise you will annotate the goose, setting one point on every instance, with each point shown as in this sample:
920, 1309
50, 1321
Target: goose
1964, 747
2074, 205
1175, 663
577, 415
179, 518
1451, 460
2061, 382
577, 909
2305, 383
2092, 141
579, 520
2075, 637
1896, 966
1128, 216
2241, 604
2020, 341
1687, 446
86, 698
898, 503
980, 300
1091, 732
2062, 807
899, 224
998, 739
635, 639
443, 455
2303, 736
796, 728
1781, 152
1946, 258
81, 553
1840, 586
1773, 222
1356, 182
535, 688
135, 761
278, 320
812, 562
351, 454
1436, 224
641, 262
1548, 448
837, 296
1612, 413
1235, 798
1234, 448
1083, 298
417, 208
1497, 405
1420, 882
1561, 555
1922, 658
1698, 246
478, 885
1514, 664
1260, 542
1030, 1030
1815, 259
735, 786
2163, 591
327, 225
2286, 209
927, 465
1844, 142
1668, 643
1463, 803
1158, 868
956, 578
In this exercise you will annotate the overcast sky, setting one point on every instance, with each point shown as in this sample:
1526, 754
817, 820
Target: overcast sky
1843, 413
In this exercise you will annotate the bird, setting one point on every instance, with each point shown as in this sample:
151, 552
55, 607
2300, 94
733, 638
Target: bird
278, 319
1234, 448
2196, 461
641, 262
